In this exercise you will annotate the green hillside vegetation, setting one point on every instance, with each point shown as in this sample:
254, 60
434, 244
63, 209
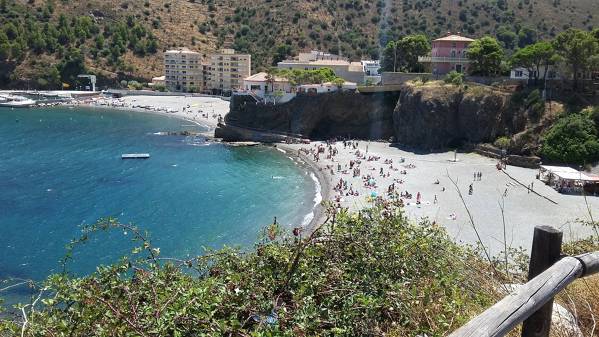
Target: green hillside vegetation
270, 30
65, 42
362, 274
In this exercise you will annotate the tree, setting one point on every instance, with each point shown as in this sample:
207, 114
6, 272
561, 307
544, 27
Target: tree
409, 49
485, 55
533, 57
578, 49
507, 37
526, 36
402, 55
572, 139
389, 57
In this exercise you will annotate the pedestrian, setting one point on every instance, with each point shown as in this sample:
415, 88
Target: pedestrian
505, 193
470, 190
435, 201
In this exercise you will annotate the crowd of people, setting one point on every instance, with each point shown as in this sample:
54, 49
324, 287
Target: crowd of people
359, 175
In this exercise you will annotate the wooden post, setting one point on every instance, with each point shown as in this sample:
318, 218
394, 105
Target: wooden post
546, 250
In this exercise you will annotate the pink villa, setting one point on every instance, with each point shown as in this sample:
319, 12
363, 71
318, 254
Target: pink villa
448, 53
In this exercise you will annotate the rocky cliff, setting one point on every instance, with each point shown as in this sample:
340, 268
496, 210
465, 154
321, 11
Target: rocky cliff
339, 114
437, 115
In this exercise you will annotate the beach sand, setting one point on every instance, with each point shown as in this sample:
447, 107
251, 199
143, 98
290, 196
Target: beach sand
203, 111
522, 210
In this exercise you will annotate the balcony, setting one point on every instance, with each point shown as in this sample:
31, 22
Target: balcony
442, 59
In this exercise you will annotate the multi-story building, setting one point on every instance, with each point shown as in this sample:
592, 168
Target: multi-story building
448, 53
227, 70
183, 70
349, 71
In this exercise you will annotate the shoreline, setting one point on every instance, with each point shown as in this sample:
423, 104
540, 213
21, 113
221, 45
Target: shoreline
201, 111
325, 186
385, 171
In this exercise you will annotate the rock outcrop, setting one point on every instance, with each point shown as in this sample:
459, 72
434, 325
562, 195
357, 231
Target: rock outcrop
435, 115
339, 114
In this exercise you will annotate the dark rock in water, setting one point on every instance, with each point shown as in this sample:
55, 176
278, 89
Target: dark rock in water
440, 116
339, 114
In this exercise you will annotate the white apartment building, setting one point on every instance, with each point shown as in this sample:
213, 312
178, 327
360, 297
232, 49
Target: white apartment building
183, 70
227, 70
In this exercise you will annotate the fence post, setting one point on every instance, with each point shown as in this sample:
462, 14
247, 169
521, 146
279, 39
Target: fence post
546, 250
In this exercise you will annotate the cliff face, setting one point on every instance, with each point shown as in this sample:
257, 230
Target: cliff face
435, 115
340, 114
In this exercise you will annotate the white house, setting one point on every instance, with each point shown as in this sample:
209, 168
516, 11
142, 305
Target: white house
280, 90
521, 73
325, 87
371, 71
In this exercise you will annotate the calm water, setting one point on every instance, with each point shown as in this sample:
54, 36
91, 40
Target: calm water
60, 168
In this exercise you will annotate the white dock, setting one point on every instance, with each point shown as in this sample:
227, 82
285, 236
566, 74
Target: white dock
135, 156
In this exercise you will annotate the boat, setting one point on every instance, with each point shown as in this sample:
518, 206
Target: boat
13, 101
135, 156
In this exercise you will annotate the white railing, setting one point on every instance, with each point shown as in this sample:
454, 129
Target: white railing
440, 59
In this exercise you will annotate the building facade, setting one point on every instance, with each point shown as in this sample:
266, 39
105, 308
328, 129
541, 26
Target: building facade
448, 53
342, 67
183, 70
227, 70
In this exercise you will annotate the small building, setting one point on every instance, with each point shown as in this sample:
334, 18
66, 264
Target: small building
568, 180
160, 80
277, 90
322, 88
342, 67
371, 68
448, 53
521, 73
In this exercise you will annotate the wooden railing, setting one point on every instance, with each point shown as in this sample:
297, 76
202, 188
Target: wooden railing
532, 303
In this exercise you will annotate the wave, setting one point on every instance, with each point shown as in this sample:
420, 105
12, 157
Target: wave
318, 195
307, 219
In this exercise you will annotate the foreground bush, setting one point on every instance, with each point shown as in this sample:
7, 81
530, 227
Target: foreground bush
364, 274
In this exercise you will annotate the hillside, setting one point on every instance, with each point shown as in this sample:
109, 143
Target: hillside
273, 29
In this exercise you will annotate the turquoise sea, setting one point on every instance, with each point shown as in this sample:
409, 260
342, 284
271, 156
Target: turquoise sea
60, 168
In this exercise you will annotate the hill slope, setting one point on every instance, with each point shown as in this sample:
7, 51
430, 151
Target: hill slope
273, 29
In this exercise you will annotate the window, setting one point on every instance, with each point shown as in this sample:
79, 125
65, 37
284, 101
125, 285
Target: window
518, 73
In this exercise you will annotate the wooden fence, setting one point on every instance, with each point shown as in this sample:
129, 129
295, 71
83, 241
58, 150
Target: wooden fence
549, 273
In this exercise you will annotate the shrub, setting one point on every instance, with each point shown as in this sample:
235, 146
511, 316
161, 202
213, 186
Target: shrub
502, 142
572, 139
134, 85
369, 273
455, 78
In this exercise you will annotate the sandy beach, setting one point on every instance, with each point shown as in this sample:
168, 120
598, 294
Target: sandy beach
380, 170
204, 111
